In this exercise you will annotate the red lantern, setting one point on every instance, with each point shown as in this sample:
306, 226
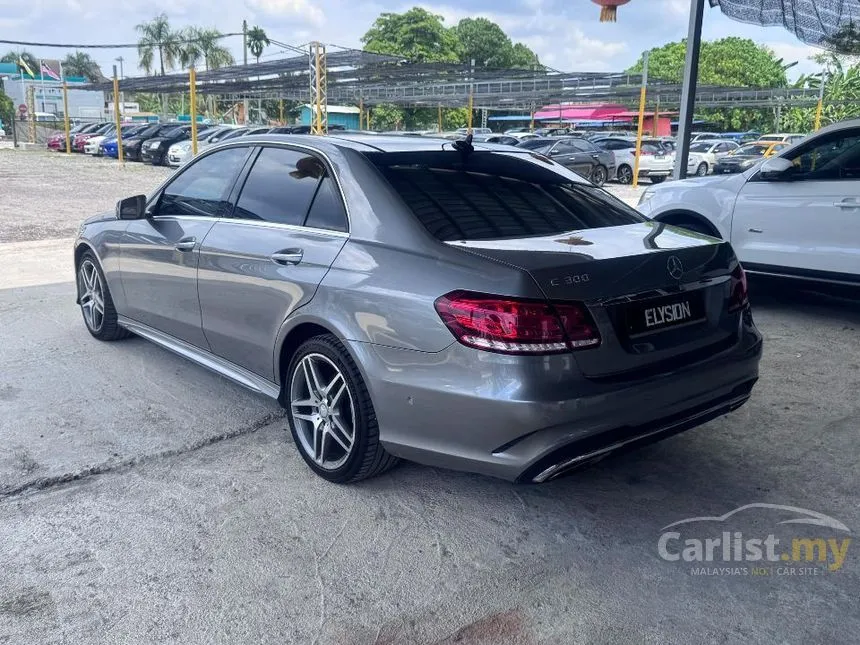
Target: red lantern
609, 9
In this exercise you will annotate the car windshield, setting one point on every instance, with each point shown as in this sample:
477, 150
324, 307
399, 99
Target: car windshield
498, 196
754, 150
701, 147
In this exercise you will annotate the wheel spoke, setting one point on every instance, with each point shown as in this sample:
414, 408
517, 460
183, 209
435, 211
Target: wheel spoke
316, 381
319, 444
304, 403
338, 378
98, 303
336, 397
305, 417
340, 434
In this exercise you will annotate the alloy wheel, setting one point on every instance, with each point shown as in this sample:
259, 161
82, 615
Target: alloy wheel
323, 412
625, 175
91, 295
598, 177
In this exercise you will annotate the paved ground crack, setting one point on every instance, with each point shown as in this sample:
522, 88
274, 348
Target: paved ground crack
53, 481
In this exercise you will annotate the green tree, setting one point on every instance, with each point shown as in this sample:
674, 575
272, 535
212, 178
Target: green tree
156, 36
82, 64
257, 41
484, 42
12, 56
729, 62
416, 34
7, 111
189, 51
524, 57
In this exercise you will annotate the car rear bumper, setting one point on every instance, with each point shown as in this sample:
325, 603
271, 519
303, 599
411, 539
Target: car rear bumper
507, 416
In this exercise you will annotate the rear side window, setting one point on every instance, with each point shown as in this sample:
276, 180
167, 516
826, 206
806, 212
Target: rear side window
456, 204
281, 186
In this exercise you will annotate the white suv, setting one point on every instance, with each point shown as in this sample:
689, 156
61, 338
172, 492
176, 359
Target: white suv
796, 214
655, 161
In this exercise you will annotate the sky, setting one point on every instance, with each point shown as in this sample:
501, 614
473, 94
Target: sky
566, 34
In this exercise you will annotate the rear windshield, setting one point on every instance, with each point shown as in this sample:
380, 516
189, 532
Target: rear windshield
521, 199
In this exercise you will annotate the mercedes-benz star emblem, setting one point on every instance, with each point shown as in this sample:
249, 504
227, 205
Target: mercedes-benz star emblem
675, 268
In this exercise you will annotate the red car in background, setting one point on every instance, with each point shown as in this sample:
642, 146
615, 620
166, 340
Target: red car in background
81, 138
57, 141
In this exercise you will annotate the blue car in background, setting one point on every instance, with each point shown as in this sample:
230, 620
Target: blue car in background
109, 147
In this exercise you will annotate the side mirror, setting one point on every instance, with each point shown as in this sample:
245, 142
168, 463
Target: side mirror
131, 207
776, 168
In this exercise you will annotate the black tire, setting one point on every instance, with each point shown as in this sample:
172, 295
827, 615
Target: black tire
367, 457
599, 175
107, 328
657, 180
702, 170
625, 174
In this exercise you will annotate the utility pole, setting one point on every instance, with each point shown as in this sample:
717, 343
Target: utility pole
642, 92
245, 103
119, 59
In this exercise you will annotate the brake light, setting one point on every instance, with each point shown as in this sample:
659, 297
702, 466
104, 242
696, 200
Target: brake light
645, 153
516, 326
740, 293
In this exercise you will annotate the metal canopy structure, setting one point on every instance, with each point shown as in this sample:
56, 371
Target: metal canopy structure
352, 77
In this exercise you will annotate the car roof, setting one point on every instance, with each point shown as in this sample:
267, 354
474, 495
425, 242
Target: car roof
367, 143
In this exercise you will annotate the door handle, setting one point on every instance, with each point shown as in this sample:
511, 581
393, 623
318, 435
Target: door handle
287, 256
186, 244
847, 203
596, 156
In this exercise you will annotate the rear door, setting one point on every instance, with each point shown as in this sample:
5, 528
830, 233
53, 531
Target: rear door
570, 156
268, 256
160, 253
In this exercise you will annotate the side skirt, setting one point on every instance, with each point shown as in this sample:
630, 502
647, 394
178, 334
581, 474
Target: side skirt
203, 358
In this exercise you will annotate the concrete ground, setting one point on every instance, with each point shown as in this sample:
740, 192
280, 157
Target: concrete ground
146, 500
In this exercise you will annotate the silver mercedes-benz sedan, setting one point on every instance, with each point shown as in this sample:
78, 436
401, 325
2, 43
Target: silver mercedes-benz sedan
476, 307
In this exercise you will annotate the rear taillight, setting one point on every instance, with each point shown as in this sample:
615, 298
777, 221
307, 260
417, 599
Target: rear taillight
646, 153
740, 294
514, 326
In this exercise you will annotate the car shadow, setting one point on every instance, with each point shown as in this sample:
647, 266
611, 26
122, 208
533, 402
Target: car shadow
792, 296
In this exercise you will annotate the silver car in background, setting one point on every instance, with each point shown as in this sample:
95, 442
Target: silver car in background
477, 307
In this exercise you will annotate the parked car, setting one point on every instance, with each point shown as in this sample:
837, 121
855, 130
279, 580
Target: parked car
705, 153
131, 147
580, 155
551, 322
655, 161
783, 138
747, 156
57, 140
92, 144
154, 150
179, 153
465, 131
81, 138
108, 146
796, 214
502, 139
703, 136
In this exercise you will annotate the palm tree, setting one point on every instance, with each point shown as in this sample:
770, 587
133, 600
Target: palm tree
81, 64
214, 54
156, 35
257, 41
12, 56
189, 48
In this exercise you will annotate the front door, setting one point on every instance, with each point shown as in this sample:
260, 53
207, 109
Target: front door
809, 221
159, 255
570, 156
268, 258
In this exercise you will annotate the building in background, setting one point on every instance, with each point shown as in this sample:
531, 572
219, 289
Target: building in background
48, 95
345, 115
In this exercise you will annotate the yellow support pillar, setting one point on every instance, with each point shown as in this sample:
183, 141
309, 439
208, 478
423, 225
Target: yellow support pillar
439, 118
65, 118
642, 94
360, 113
117, 117
192, 98
469, 125
281, 111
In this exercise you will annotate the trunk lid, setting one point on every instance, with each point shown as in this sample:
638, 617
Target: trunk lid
657, 293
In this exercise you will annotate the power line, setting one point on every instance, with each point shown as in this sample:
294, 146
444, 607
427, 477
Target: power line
180, 41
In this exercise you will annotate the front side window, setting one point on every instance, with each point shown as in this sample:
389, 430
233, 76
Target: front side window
581, 145
202, 189
831, 157
280, 187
